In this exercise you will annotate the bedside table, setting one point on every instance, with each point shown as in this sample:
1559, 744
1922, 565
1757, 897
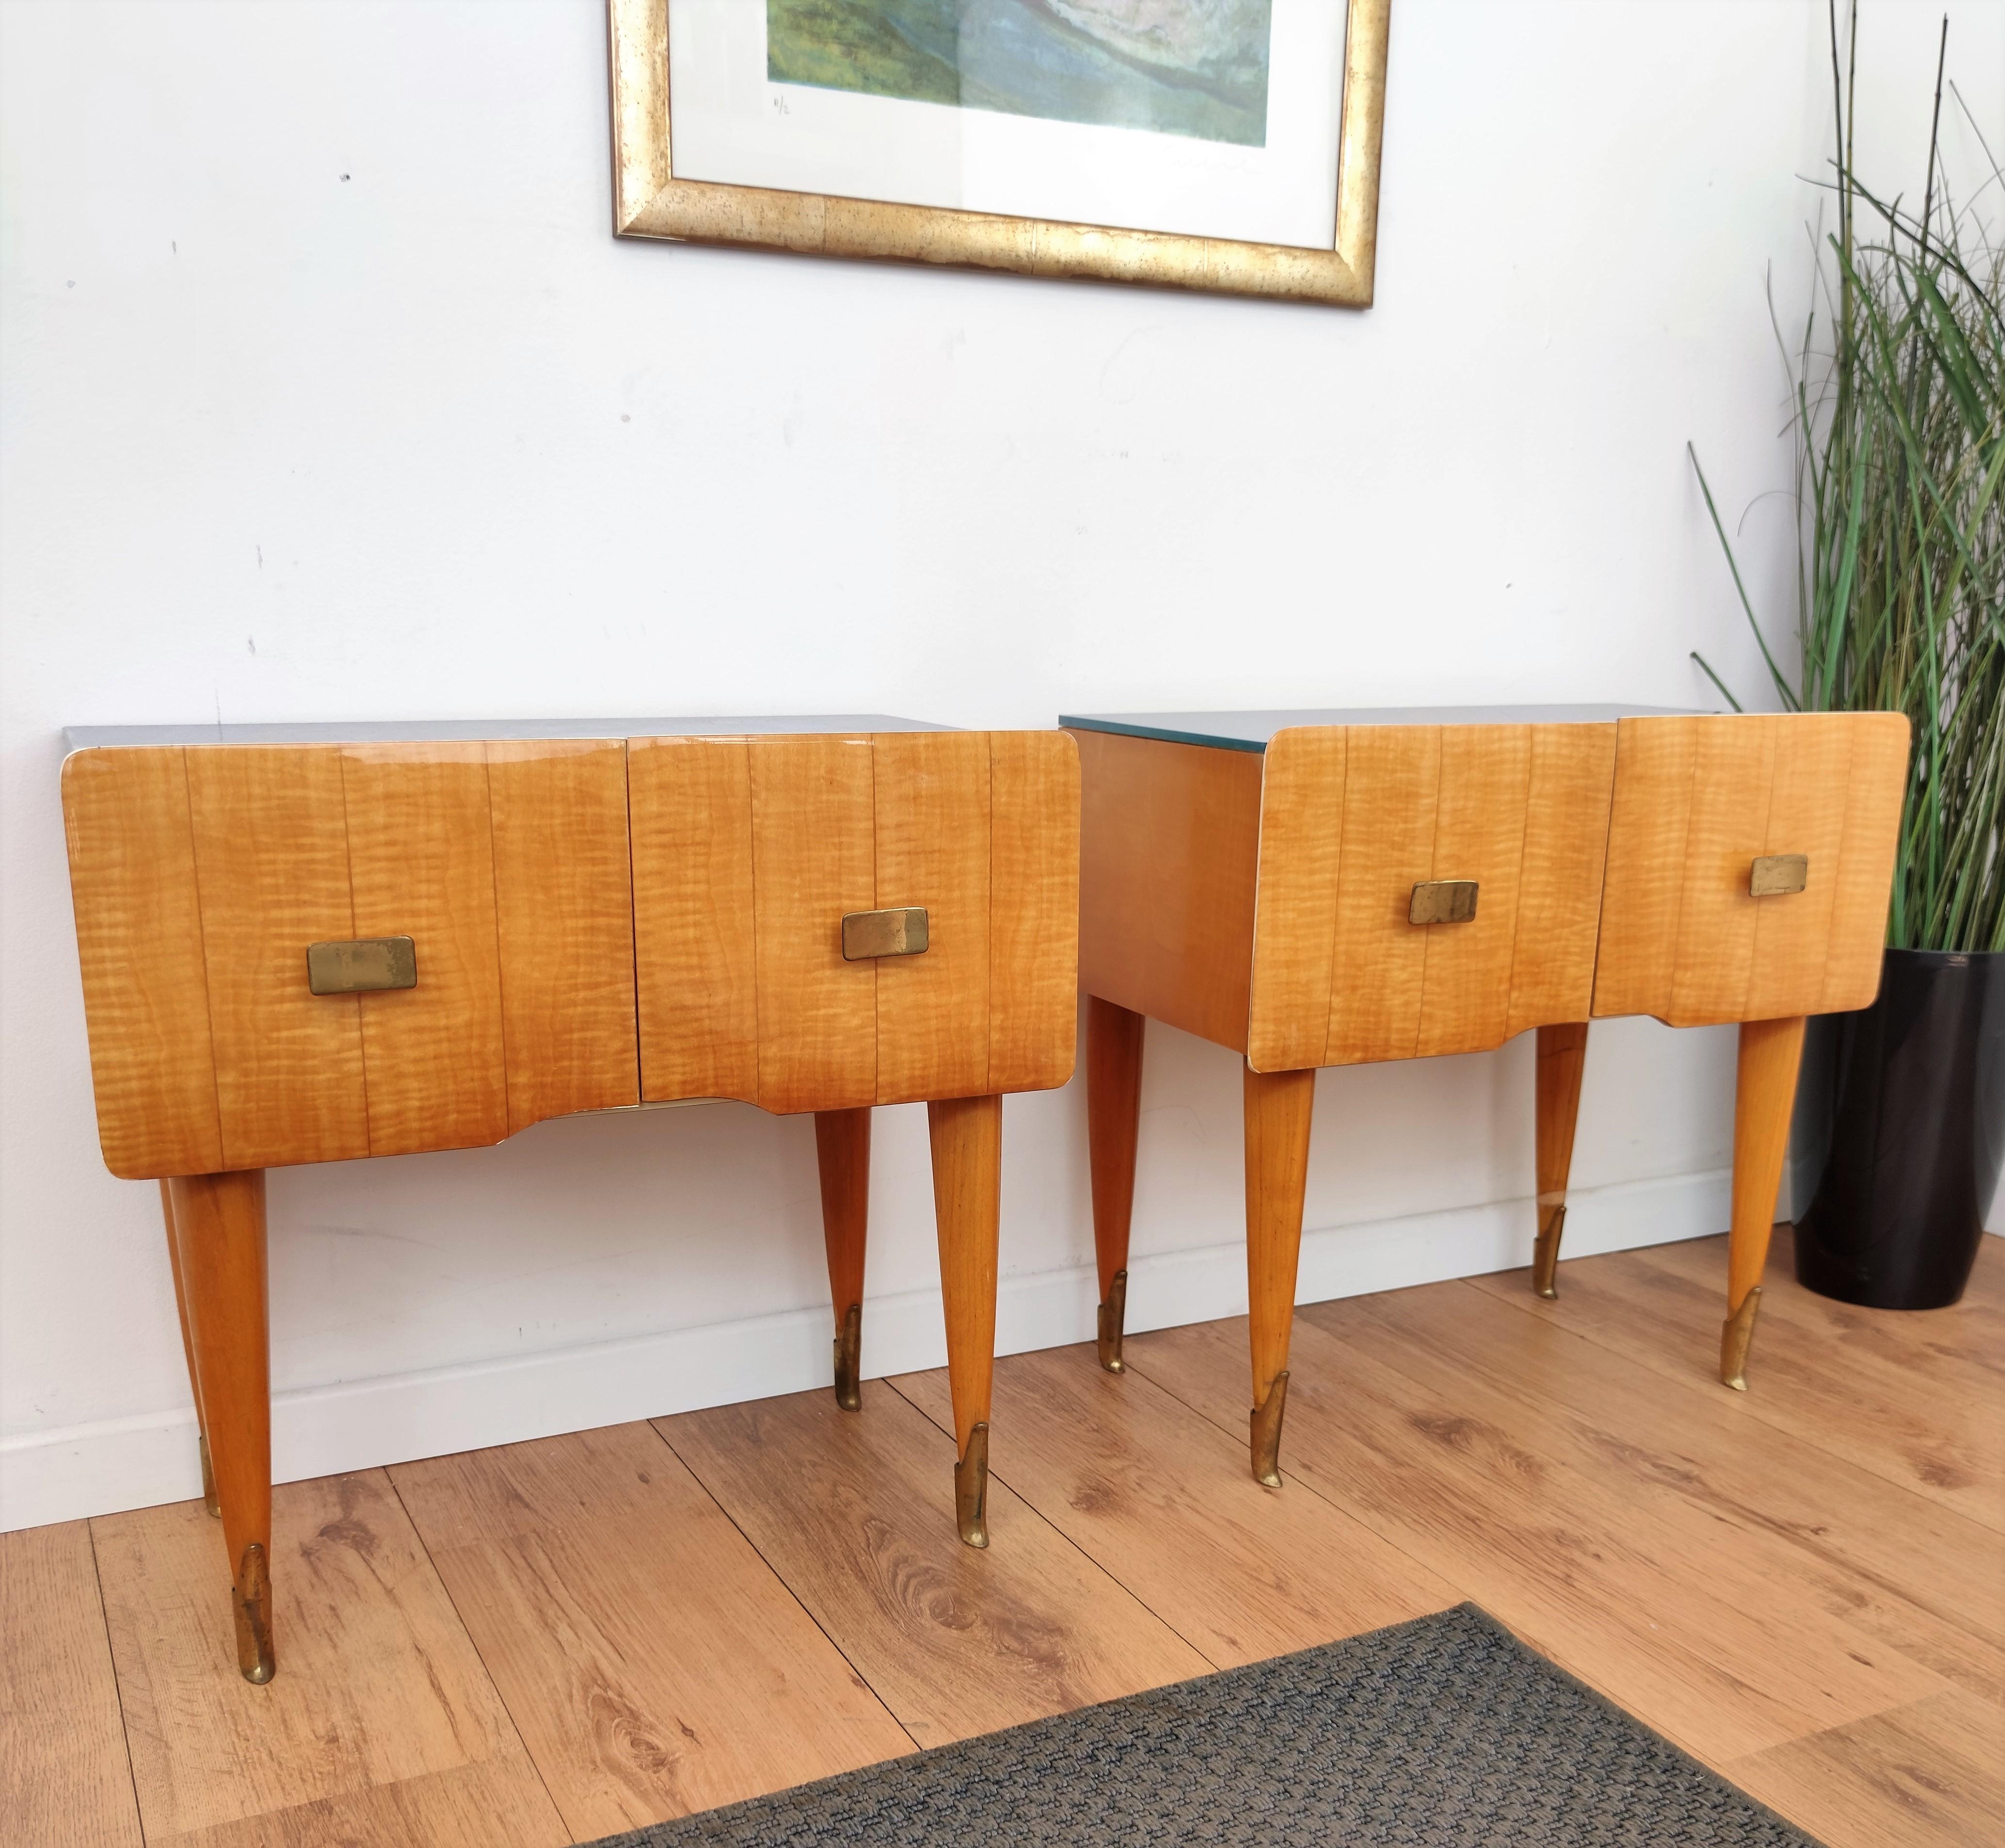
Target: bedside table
1331, 888
317, 943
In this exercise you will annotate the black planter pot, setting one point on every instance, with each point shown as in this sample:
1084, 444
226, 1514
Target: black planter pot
1899, 1130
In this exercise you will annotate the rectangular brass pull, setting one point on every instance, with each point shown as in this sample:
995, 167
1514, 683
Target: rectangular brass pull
1443, 901
361, 964
899, 932
1775, 874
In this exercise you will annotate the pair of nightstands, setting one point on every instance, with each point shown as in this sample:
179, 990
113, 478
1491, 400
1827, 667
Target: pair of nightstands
316, 943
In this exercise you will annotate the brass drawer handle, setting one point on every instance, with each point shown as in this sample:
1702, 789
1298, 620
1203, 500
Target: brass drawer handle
900, 932
361, 964
1774, 874
1443, 901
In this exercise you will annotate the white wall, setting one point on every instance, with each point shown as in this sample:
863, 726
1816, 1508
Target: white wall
327, 393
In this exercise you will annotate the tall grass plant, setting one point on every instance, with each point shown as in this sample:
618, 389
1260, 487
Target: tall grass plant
1898, 418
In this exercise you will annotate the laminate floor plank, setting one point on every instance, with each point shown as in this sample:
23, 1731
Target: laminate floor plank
1662, 1306
1913, 1357
1928, 1776
1161, 1498
462, 1808
854, 1511
378, 1685
652, 1661
64, 1776
1857, 1641
1987, 1275
1804, 1585
1915, 1576
1552, 1553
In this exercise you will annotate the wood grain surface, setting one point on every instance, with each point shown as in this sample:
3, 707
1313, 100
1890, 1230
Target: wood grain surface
595, 920
1726, 830
563, 898
691, 801
930, 808
1889, 1392
1537, 1542
1294, 922
1114, 1037
1034, 909
66, 1779
1789, 1625
1561, 1064
1392, 791
1277, 1106
856, 1515
1353, 819
379, 1687
1932, 1572
1766, 1060
813, 858
1917, 1776
1169, 850
1160, 1499
1874, 794
138, 940
421, 865
653, 1663
1697, 801
966, 1136
1801, 1584
1560, 878
1479, 824
842, 1163
271, 849
217, 1226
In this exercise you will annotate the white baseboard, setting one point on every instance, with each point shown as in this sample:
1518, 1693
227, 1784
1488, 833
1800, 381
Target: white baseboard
139, 1462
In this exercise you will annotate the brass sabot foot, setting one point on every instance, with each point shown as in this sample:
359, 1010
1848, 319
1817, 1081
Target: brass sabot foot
1546, 1256
209, 1498
1113, 1313
252, 1595
970, 1489
1266, 1422
849, 1360
1736, 1335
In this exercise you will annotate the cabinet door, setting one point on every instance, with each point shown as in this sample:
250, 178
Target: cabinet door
296, 845
813, 862
932, 813
1697, 801
1033, 908
1354, 818
271, 856
421, 865
750, 852
201, 875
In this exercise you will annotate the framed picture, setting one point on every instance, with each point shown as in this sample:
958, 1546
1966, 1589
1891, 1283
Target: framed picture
1222, 144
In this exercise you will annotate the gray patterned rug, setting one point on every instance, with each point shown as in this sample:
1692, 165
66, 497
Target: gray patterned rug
1446, 1732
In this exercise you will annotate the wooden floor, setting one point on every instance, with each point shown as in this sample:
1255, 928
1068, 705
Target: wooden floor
550, 1642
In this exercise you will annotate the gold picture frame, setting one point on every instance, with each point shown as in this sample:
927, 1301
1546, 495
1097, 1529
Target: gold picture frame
648, 201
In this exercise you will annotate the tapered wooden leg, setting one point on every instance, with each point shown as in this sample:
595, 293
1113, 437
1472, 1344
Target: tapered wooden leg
1113, 1116
1764, 1096
1562, 1057
1278, 1108
218, 1226
208, 1500
966, 1134
842, 1148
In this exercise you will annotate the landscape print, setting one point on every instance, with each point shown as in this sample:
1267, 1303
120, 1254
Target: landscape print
1196, 68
